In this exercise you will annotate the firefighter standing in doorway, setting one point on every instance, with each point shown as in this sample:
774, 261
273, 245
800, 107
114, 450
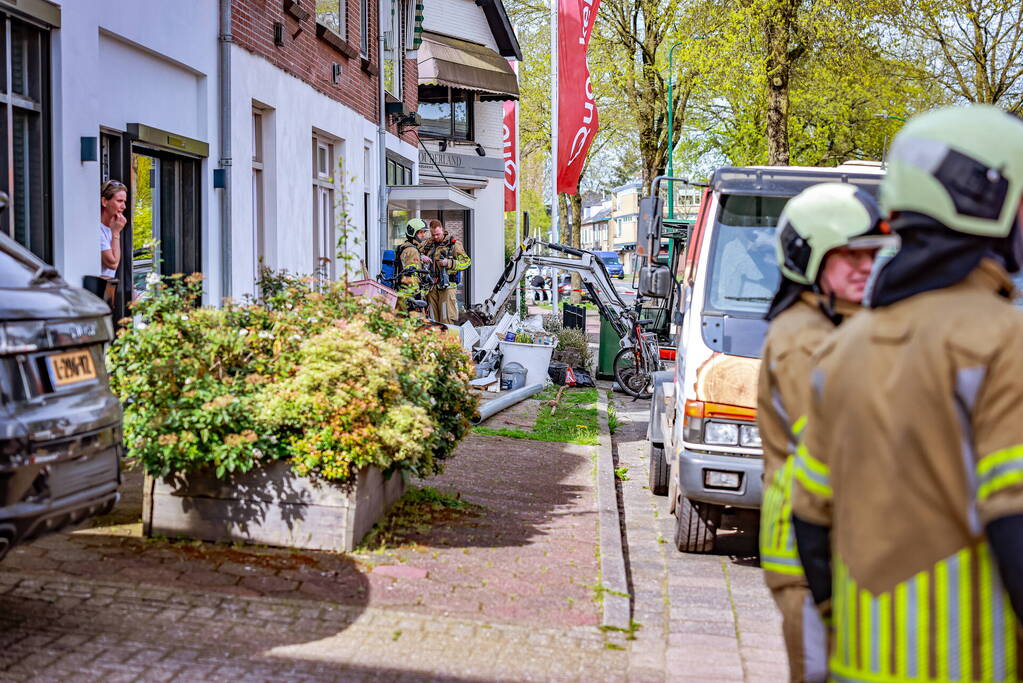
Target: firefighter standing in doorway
449, 260
827, 237
411, 257
908, 500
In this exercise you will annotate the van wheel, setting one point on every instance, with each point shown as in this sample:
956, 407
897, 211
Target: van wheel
658, 470
696, 525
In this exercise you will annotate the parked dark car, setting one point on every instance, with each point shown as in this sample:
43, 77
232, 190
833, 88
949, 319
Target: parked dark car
60, 425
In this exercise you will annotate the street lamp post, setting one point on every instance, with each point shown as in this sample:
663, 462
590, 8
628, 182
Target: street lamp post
671, 126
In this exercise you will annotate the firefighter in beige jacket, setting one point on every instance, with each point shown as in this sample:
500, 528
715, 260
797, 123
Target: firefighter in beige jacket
908, 502
827, 236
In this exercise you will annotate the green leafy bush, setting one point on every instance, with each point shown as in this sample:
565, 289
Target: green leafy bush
308, 374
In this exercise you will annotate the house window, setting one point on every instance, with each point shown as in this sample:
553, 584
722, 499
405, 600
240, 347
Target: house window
398, 173
331, 14
364, 28
258, 223
394, 44
446, 113
324, 241
24, 134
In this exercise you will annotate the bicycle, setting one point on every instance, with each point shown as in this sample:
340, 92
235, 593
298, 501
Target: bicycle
639, 358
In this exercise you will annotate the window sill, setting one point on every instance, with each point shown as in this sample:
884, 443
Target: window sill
335, 41
295, 10
369, 67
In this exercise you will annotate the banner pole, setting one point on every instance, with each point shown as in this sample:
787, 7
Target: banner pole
554, 146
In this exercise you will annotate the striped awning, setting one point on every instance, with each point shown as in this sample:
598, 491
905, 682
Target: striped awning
467, 66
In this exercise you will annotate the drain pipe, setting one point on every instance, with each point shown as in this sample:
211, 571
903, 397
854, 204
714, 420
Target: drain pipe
225, 147
382, 12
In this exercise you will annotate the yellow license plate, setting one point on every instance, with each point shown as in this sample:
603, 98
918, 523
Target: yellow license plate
71, 367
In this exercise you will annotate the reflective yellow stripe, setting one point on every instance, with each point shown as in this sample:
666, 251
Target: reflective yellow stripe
799, 425
923, 645
993, 460
965, 618
998, 483
812, 473
866, 644
884, 615
901, 629
987, 628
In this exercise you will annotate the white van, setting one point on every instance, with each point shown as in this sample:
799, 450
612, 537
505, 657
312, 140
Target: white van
705, 445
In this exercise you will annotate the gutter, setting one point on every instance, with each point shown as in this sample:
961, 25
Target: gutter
381, 131
226, 39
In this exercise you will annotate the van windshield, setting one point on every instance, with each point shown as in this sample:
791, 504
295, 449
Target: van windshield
611, 260
743, 271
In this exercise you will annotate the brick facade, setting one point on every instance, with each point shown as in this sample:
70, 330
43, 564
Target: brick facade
309, 58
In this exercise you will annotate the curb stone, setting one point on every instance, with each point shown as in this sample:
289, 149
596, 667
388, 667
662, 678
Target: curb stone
615, 591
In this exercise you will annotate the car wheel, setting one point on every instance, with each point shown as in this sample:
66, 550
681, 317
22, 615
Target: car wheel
658, 470
696, 526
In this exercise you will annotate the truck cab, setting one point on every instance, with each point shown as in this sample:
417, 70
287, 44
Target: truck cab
705, 451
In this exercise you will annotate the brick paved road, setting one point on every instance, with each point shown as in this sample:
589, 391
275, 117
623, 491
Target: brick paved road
505, 593
703, 617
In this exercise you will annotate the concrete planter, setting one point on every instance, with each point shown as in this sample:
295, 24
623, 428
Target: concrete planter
270, 505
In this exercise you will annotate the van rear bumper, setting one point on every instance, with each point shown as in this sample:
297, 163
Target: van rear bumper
692, 466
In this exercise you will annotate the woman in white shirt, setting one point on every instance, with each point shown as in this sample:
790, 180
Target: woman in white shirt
113, 198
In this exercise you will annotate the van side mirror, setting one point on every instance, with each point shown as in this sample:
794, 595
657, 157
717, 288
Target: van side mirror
655, 282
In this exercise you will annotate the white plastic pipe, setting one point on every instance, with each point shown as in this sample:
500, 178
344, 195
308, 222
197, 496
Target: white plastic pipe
491, 408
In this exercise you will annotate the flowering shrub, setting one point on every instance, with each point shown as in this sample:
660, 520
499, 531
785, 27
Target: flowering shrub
308, 374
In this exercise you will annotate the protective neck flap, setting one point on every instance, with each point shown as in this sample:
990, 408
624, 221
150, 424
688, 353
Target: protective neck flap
788, 293
930, 257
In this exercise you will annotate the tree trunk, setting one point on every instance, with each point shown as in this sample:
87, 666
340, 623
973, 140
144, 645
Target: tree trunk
779, 27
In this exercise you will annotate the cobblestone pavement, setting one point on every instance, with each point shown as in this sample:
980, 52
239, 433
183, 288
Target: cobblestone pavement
702, 617
505, 592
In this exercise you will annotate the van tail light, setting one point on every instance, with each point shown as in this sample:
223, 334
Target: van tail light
668, 354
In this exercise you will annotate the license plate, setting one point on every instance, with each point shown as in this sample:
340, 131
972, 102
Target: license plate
71, 367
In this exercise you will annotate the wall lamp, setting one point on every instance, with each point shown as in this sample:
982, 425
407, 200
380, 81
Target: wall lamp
90, 149
479, 150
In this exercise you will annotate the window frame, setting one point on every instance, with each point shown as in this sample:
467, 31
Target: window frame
397, 51
342, 18
38, 163
364, 29
325, 151
426, 96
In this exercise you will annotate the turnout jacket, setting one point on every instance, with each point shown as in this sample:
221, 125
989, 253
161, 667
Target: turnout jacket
783, 392
914, 442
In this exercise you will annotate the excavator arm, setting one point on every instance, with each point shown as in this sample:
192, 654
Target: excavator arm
534, 252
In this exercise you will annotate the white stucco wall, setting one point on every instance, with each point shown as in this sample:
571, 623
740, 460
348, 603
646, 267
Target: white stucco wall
116, 62
296, 110
459, 19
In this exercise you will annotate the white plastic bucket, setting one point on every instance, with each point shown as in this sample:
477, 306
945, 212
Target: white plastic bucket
535, 358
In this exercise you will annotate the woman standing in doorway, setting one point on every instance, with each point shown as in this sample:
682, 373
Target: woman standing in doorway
113, 199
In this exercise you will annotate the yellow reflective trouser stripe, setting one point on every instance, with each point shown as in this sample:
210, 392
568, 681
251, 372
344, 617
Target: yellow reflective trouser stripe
777, 539
999, 470
812, 473
865, 641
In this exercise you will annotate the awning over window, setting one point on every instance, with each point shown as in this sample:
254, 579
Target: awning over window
468, 66
416, 198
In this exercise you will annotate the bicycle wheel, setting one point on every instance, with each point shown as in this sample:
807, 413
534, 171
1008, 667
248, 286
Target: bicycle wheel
635, 382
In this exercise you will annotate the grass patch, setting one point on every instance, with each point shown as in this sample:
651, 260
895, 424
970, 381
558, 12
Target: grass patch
573, 420
419, 510
622, 473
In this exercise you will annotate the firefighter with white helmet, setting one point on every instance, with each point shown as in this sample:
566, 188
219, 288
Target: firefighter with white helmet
908, 494
827, 237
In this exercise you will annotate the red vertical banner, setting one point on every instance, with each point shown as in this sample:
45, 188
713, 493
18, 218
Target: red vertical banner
577, 110
511, 153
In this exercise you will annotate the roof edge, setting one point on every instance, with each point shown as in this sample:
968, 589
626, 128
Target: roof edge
501, 28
